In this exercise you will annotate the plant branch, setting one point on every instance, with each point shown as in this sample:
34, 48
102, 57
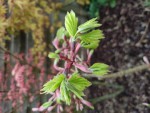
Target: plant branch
144, 35
119, 89
121, 73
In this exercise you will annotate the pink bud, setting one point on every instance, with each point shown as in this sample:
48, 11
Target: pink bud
81, 106
51, 108
87, 103
89, 55
77, 47
35, 109
41, 108
56, 43
83, 68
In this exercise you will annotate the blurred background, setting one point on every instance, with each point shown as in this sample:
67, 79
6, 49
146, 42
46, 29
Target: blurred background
27, 28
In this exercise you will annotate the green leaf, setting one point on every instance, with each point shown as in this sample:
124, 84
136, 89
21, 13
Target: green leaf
57, 51
89, 25
47, 104
90, 45
112, 3
65, 94
92, 36
94, 9
53, 84
147, 3
102, 2
99, 69
91, 40
79, 82
76, 92
71, 23
53, 55
60, 32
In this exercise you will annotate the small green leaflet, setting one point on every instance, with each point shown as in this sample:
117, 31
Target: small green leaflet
74, 90
79, 82
57, 51
91, 40
47, 104
90, 45
53, 55
53, 84
60, 33
99, 69
65, 94
93, 35
76, 85
71, 23
89, 25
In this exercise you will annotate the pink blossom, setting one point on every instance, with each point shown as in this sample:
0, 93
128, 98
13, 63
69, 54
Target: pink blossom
15, 69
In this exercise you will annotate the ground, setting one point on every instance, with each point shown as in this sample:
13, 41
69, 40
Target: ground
127, 41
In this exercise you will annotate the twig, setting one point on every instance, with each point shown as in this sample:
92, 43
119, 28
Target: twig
144, 35
121, 73
119, 89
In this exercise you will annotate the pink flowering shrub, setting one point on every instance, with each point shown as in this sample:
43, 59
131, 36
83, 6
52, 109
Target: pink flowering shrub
68, 85
22, 82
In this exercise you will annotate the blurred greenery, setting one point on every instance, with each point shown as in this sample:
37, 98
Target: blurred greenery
96, 4
147, 3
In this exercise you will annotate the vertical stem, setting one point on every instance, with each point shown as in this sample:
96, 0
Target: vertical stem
72, 57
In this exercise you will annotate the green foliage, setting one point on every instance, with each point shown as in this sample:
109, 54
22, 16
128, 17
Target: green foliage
111, 3
147, 3
79, 82
71, 23
47, 104
53, 84
90, 45
91, 39
70, 85
96, 4
60, 32
65, 94
53, 55
99, 69
89, 25
75, 91
76, 84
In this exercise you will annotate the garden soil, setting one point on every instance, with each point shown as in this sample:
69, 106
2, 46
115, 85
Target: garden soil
127, 31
